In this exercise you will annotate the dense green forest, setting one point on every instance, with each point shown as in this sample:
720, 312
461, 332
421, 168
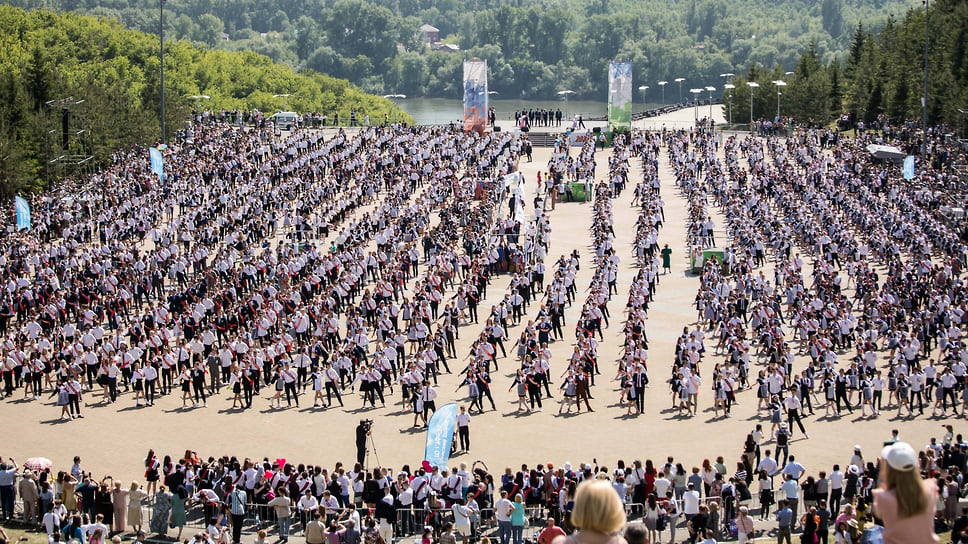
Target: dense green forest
533, 47
47, 57
882, 73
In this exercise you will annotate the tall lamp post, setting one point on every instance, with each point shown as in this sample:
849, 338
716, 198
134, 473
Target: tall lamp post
161, 33
924, 99
283, 97
726, 86
695, 98
779, 83
710, 88
643, 88
663, 84
753, 85
198, 99
679, 80
564, 94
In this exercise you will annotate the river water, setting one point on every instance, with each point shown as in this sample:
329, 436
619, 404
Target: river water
438, 111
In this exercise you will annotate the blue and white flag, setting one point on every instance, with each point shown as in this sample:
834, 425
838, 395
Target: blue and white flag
157, 162
440, 435
22, 211
909, 167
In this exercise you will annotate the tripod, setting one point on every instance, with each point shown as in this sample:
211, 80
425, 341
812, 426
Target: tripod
371, 445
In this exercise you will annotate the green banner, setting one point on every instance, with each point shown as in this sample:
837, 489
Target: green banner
619, 96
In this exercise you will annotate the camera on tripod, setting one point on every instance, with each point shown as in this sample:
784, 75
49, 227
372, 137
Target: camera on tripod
367, 424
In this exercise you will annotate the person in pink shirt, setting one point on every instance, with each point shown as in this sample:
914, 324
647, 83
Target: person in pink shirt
904, 501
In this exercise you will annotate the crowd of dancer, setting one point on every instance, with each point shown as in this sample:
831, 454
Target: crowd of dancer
220, 276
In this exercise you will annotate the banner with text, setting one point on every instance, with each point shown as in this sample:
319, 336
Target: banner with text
475, 95
440, 435
619, 96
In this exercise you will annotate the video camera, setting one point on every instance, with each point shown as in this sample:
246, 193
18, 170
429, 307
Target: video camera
367, 424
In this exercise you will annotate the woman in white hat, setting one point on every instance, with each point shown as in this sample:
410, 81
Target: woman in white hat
905, 502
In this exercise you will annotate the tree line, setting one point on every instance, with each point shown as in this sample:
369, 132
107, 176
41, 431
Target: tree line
882, 73
534, 48
47, 57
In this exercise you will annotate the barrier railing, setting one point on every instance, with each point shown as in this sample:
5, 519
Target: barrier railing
411, 521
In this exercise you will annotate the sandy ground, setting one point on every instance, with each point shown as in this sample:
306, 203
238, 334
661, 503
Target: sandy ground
113, 439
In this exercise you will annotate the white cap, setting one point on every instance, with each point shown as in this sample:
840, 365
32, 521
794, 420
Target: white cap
900, 456
856, 447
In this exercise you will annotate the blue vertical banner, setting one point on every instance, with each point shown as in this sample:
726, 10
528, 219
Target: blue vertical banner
440, 435
22, 212
909, 167
475, 95
157, 162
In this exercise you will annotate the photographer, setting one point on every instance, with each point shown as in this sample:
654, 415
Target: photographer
362, 431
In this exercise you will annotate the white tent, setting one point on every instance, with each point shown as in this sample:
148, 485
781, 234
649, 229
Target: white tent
888, 152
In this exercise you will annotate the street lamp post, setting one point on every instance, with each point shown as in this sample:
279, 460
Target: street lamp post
679, 80
710, 88
924, 99
663, 84
752, 85
284, 97
161, 33
198, 99
695, 98
564, 94
643, 88
726, 86
779, 83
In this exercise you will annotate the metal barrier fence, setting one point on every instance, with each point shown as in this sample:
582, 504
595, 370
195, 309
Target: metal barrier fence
411, 522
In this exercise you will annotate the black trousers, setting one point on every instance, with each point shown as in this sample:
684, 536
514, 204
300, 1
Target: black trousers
331, 389
534, 394
465, 437
199, 390
842, 396
237, 521
794, 415
290, 388
917, 395
150, 390
74, 404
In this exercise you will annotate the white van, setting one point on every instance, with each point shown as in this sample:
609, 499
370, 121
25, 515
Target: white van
285, 119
